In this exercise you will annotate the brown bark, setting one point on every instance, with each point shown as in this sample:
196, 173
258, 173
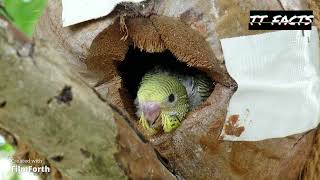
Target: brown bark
50, 113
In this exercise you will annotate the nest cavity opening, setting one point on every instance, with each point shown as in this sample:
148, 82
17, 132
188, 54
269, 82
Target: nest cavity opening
138, 62
148, 42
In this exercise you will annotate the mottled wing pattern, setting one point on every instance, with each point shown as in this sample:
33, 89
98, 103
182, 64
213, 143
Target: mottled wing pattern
204, 86
199, 88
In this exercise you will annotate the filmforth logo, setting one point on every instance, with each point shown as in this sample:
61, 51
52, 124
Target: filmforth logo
41, 169
281, 20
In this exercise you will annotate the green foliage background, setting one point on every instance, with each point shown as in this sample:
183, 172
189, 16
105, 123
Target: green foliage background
23, 14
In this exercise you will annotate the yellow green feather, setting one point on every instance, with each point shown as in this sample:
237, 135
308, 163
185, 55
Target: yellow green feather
156, 88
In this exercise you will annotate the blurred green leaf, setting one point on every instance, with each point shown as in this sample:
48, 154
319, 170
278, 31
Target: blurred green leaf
24, 13
6, 147
4, 13
15, 177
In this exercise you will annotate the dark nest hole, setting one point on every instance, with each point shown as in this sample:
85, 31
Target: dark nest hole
149, 42
138, 62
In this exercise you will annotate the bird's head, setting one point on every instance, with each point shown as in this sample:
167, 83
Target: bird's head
162, 101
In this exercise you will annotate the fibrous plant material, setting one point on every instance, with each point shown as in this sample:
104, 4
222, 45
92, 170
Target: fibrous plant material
201, 128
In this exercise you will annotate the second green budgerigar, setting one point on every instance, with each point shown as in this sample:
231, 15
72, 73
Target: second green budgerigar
165, 97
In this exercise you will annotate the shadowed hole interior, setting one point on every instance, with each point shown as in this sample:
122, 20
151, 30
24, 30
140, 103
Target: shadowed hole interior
137, 63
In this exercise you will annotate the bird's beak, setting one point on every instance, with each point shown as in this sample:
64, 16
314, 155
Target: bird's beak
151, 111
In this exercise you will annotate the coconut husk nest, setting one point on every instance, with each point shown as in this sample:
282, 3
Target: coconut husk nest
190, 32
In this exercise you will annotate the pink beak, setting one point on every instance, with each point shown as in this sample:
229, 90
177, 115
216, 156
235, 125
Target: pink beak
151, 111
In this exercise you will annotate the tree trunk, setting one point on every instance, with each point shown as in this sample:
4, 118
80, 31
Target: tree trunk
50, 113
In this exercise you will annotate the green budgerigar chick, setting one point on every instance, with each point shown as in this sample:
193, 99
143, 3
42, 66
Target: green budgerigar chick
164, 98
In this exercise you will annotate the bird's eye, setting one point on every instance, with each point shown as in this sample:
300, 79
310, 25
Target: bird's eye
171, 98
